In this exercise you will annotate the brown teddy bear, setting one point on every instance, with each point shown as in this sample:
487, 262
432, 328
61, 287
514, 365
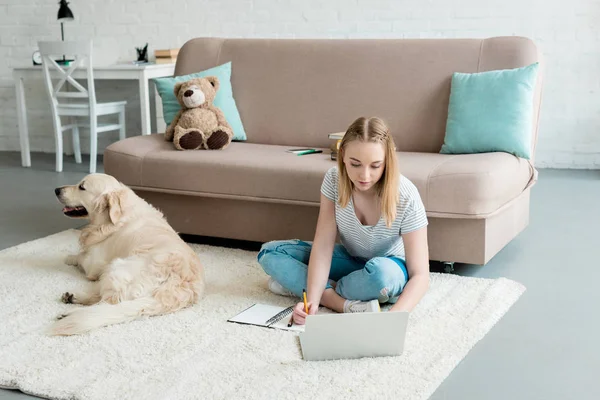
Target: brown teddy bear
199, 124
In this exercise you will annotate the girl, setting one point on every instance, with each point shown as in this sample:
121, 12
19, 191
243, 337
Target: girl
383, 255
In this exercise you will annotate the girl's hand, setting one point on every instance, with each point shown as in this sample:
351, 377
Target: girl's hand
300, 315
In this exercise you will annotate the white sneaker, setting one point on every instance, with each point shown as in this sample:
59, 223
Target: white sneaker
353, 306
276, 288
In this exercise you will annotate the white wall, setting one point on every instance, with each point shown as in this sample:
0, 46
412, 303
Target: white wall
568, 33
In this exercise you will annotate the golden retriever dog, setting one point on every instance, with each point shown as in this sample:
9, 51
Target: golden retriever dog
139, 264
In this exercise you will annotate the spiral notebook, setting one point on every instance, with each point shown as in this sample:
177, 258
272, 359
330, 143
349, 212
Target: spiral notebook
267, 316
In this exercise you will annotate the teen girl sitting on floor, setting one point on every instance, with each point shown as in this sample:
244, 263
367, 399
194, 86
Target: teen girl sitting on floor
383, 255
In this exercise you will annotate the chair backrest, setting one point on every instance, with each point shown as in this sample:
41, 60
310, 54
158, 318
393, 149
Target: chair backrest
81, 52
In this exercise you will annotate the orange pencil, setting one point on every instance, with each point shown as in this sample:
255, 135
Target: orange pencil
305, 303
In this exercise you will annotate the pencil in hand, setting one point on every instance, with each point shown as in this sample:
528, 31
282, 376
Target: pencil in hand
291, 321
305, 302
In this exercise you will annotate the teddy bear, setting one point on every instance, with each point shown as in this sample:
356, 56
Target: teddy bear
199, 124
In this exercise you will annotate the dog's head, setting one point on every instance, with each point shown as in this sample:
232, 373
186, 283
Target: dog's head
99, 197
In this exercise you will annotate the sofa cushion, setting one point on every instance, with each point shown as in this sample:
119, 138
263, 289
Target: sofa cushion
462, 185
491, 111
224, 99
474, 185
241, 170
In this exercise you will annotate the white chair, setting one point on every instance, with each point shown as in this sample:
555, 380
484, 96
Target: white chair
81, 51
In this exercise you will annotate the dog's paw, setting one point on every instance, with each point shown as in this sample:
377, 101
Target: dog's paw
71, 260
67, 298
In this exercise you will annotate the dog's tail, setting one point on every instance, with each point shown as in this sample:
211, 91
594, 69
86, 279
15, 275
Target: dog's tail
86, 319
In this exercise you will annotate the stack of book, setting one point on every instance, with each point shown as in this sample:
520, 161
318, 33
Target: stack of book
167, 56
335, 145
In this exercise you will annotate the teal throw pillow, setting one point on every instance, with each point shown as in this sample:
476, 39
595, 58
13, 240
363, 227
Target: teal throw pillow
491, 112
223, 100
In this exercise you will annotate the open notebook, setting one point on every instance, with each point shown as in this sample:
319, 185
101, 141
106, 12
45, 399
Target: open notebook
267, 316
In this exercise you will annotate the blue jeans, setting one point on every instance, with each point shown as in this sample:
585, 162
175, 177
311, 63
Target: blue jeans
381, 278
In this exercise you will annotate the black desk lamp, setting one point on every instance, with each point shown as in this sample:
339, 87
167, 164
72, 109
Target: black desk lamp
64, 14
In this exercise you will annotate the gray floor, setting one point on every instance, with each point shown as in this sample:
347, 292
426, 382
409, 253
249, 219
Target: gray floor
546, 347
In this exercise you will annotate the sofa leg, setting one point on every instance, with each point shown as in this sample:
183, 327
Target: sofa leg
448, 267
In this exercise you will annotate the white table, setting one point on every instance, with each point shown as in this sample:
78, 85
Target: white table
141, 73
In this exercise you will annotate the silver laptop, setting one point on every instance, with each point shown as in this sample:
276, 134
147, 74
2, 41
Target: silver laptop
353, 335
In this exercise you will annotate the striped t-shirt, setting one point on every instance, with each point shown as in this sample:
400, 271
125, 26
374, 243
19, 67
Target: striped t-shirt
378, 240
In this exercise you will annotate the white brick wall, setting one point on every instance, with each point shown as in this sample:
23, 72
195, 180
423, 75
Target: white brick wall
567, 32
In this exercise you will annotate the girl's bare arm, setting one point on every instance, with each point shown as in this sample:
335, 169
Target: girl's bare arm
322, 250
417, 264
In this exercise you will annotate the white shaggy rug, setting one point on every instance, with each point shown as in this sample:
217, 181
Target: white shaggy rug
196, 354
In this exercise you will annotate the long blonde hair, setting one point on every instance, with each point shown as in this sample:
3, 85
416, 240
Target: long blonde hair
376, 131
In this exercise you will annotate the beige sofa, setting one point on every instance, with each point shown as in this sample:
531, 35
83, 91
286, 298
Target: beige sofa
292, 93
